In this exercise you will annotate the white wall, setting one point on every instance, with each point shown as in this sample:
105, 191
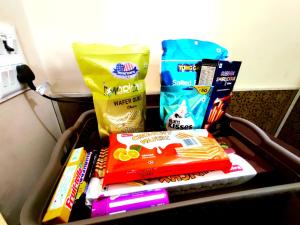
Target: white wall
28, 126
263, 34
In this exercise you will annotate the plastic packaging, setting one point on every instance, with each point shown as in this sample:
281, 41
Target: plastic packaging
241, 171
183, 108
180, 57
115, 76
129, 202
59, 209
80, 210
222, 75
95, 184
136, 156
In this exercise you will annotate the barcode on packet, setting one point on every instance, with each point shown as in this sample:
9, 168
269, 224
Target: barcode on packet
190, 142
206, 75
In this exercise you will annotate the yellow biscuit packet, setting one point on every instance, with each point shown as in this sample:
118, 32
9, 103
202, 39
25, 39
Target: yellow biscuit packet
115, 75
59, 209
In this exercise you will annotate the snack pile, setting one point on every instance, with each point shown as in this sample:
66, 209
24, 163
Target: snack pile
139, 169
196, 83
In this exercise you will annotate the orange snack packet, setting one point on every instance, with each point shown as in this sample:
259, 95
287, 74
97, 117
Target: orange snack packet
137, 156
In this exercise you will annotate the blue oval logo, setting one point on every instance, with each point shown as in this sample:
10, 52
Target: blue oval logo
125, 70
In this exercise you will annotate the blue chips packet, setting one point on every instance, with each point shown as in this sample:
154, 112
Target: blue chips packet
183, 108
180, 56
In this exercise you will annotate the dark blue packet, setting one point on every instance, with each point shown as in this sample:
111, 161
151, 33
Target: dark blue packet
222, 75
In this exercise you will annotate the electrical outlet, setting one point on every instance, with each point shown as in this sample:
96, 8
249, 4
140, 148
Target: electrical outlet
11, 55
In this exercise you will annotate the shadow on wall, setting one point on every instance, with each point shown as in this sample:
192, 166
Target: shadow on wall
33, 105
31, 130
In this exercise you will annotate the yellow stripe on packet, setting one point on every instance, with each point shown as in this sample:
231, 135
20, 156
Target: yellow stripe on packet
59, 209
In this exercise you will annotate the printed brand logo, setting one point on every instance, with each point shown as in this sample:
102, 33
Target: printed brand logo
125, 70
225, 79
227, 73
187, 68
85, 166
71, 198
179, 124
184, 177
124, 89
126, 135
235, 168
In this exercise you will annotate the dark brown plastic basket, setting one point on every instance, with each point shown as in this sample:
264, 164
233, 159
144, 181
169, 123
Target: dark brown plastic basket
272, 197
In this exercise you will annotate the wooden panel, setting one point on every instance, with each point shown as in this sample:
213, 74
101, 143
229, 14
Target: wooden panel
290, 132
264, 108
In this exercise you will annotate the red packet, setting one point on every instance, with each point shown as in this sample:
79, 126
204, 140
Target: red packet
136, 156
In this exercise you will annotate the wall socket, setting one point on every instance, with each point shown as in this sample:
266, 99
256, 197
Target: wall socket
11, 55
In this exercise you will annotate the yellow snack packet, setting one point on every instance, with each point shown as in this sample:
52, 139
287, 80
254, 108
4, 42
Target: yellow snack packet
115, 75
62, 201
